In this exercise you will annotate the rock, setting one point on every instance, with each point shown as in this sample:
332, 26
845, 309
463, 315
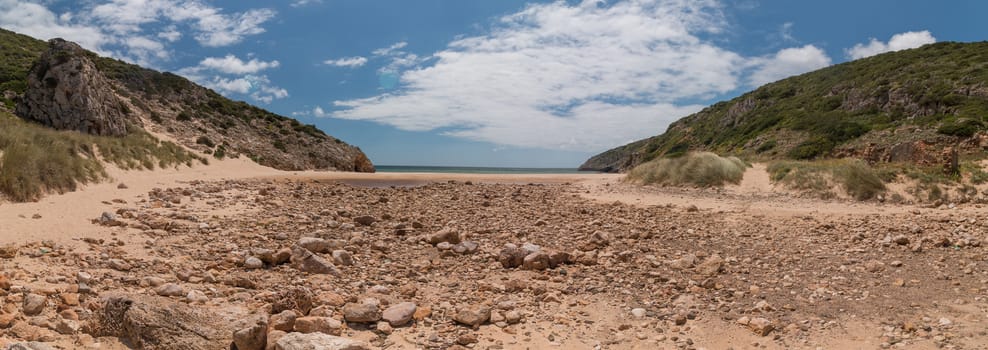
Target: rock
901, 240
600, 239
874, 266
384, 327
445, 235
283, 321
315, 245
251, 338
638, 312
273, 337
512, 316
365, 220
400, 314
66, 91
536, 261
170, 290
83, 277
305, 261
119, 265
316, 324
318, 341
29, 346
559, 258
760, 326
34, 304
466, 247
195, 296
253, 263
679, 319
342, 257
67, 327
361, 313
156, 323
710, 266
684, 262
473, 316
511, 256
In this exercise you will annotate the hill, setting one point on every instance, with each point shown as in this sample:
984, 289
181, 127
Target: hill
921, 106
196, 117
76, 111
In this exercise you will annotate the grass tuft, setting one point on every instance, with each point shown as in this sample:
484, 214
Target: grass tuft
35, 160
700, 169
856, 177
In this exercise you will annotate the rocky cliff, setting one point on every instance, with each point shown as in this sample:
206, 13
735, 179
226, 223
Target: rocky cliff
66, 91
70, 88
920, 106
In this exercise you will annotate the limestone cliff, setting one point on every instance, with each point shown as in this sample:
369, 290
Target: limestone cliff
65, 91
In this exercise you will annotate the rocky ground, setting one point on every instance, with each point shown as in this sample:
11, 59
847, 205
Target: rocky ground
291, 264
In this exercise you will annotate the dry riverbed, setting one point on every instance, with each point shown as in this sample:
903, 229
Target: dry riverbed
473, 263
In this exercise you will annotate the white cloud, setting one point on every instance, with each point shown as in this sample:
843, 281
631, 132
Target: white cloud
230, 64
901, 41
135, 30
232, 75
349, 62
301, 3
786, 63
581, 77
37, 21
258, 87
390, 49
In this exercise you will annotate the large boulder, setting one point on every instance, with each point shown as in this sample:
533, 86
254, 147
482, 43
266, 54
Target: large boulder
318, 341
66, 91
158, 323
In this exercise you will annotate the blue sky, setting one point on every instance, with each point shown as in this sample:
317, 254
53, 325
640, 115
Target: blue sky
494, 82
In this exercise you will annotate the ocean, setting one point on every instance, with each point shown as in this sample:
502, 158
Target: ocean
473, 170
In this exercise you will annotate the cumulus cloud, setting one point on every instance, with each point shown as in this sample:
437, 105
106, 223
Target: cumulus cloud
230, 64
901, 41
786, 63
232, 75
581, 77
301, 3
135, 30
348, 62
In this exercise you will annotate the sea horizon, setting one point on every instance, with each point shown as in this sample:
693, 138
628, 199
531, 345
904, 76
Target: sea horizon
473, 169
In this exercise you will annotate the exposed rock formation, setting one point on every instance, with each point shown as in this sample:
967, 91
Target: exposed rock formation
159, 323
66, 91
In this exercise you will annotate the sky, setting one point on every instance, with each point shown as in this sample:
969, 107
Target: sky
504, 83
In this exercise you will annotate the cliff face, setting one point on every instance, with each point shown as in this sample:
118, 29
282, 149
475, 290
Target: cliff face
70, 88
906, 106
65, 91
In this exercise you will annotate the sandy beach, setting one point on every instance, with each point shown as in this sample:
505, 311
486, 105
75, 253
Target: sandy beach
547, 261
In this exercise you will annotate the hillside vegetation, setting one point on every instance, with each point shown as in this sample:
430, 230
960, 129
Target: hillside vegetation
199, 118
906, 106
36, 160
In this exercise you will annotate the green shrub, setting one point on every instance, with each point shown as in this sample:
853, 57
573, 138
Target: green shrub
856, 177
183, 116
37, 160
700, 169
964, 128
205, 141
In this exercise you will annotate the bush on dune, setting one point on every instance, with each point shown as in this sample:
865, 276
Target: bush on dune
702, 169
35, 160
855, 176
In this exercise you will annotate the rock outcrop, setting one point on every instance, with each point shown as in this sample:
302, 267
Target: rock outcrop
152, 323
66, 91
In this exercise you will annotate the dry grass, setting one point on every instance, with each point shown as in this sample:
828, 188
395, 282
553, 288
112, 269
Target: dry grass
35, 160
700, 169
854, 176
